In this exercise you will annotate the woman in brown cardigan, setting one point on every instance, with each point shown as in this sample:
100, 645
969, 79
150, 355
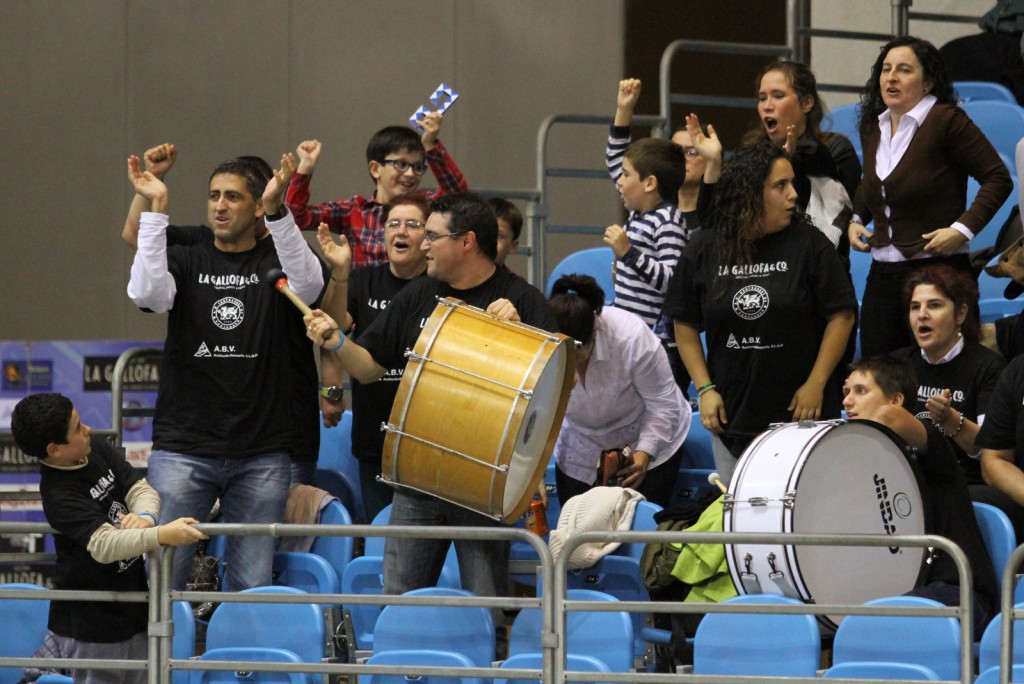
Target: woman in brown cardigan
919, 148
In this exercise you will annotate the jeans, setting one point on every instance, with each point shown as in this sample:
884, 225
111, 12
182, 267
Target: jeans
251, 490
416, 563
303, 472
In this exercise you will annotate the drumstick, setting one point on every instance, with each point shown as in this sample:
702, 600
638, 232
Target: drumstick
279, 281
714, 479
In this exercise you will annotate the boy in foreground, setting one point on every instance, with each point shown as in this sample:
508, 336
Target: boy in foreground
106, 515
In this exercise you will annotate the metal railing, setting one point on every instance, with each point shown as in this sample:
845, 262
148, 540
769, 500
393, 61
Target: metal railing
553, 601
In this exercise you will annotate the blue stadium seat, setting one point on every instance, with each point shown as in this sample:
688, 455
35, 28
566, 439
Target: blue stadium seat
263, 655
418, 657
881, 671
844, 120
971, 91
933, 642
296, 627
1001, 122
597, 262
988, 651
997, 533
758, 644
22, 629
534, 661
607, 637
468, 631
336, 454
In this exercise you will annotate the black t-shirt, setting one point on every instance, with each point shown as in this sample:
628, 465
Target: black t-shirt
952, 516
764, 322
1004, 422
970, 377
76, 503
399, 326
370, 291
238, 376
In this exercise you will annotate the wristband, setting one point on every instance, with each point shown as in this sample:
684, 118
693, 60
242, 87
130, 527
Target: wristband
959, 427
151, 516
341, 341
705, 388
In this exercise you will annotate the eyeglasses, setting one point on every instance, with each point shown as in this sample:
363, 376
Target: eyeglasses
401, 166
432, 237
691, 152
411, 224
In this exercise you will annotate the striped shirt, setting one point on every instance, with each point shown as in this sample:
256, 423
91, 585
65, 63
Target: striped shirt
656, 238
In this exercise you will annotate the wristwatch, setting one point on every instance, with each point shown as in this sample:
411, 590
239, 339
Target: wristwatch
333, 393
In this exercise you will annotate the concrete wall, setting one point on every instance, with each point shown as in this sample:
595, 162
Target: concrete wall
86, 83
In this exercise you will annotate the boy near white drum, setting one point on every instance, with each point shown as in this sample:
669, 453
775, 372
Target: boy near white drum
876, 390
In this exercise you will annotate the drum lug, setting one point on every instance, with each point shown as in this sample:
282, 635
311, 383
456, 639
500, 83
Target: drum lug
789, 500
804, 424
780, 579
758, 501
727, 502
749, 579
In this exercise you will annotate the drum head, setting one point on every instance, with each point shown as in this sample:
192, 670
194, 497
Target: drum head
857, 480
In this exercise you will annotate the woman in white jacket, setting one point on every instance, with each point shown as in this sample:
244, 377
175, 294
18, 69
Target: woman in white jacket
624, 395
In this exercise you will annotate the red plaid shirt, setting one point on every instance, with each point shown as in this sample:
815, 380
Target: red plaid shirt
359, 219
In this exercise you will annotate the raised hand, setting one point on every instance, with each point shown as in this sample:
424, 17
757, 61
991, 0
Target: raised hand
625, 101
338, 254
147, 185
707, 145
309, 153
629, 93
160, 159
276, 186
431, 123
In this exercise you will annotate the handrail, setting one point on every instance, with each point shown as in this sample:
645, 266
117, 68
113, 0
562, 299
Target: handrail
553, 602
964, 612
667, 98
539, 227
117, 389
1010, 614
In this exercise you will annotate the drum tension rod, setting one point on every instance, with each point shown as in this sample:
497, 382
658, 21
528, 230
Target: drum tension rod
413, 356
388, 427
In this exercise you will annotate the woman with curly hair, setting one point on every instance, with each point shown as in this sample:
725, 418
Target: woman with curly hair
774, 300
919, 149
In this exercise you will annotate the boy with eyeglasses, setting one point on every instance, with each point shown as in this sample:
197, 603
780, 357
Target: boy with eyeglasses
396, 158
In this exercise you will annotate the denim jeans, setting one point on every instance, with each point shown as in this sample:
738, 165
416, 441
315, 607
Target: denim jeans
251, 490
416, 563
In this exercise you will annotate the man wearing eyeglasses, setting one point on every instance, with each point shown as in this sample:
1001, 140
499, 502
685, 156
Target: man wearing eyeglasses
460, 241
397, 158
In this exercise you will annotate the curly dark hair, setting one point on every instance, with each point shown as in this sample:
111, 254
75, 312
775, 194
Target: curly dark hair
871, 104
739, 200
